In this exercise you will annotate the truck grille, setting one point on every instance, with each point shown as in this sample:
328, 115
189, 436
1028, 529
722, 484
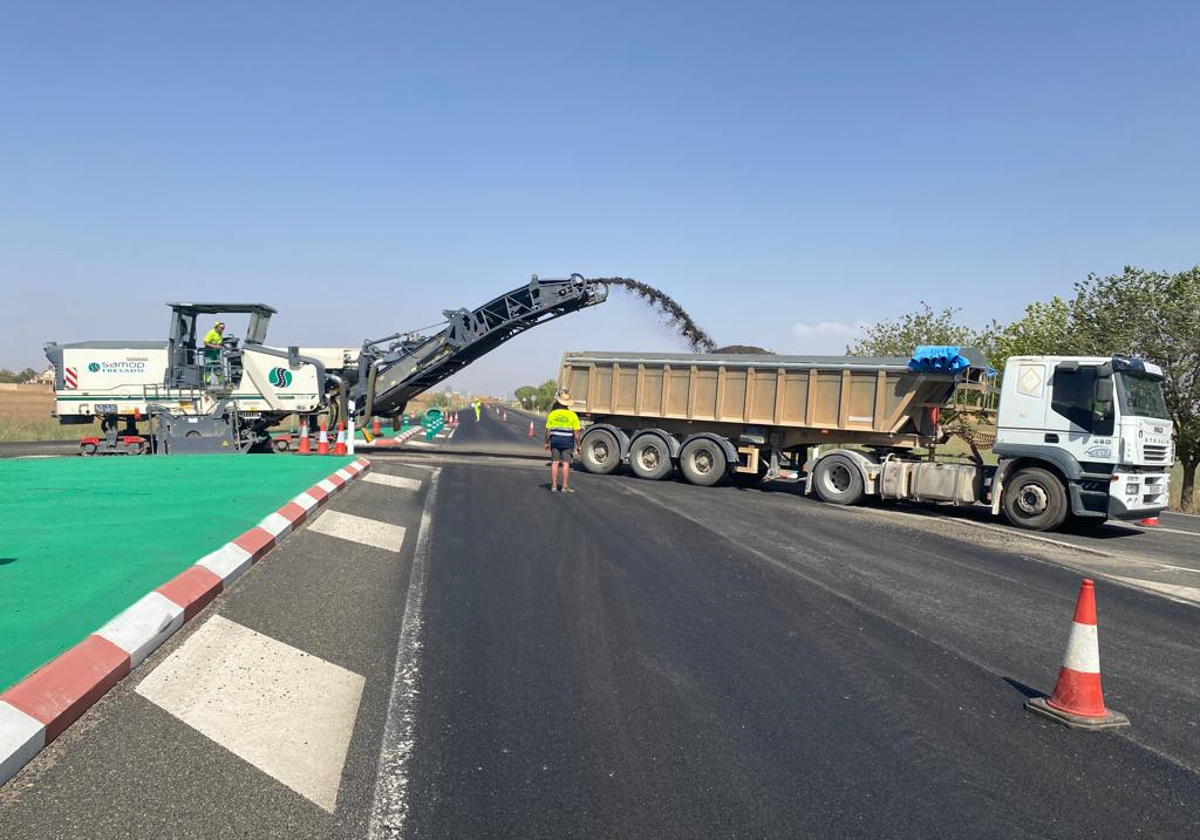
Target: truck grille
1151, 452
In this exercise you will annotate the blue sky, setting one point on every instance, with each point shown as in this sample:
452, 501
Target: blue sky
786, 170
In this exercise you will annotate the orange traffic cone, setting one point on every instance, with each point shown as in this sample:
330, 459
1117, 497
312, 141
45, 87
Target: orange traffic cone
305, 449
1150, 522
339, 448
531, 428
375, 430
1077, 700
322, 440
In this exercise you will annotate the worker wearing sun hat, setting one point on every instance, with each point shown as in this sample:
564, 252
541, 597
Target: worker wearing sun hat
562, 439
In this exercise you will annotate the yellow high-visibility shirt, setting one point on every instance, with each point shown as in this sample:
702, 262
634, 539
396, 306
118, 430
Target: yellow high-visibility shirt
562, 423
213, 337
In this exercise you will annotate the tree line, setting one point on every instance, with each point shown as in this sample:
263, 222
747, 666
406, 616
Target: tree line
9, 376
1151, 314
537, 397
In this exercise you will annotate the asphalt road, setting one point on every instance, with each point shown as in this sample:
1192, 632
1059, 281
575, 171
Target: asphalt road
659, 660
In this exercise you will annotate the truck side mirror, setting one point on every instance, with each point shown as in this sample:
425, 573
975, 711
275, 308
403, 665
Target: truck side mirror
1104, 390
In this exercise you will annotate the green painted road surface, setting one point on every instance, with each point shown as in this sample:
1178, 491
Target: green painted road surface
83, 538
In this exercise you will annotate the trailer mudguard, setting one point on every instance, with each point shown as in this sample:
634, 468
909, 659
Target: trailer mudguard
623, 440
728, 448
673, 445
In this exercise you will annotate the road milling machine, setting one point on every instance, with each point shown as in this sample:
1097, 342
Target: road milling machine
227, 401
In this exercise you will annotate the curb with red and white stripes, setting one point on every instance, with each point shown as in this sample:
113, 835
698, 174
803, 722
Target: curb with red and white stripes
384, 443
40, 707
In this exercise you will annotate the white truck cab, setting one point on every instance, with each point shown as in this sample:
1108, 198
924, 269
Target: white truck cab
1097, 427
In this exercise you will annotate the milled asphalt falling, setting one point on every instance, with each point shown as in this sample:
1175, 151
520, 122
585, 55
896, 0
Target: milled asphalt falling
659, 660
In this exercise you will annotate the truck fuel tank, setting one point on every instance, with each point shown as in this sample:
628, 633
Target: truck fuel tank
930, 481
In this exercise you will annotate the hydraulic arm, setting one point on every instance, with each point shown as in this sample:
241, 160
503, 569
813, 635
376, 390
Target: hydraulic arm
394, 369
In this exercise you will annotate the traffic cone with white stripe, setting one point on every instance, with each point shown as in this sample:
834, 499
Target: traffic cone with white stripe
531, 428
339, 448
375, 429
323, 440
1077, 700
1150, 522
305, 449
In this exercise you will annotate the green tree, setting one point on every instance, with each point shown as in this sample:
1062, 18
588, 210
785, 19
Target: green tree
1155, 315
545, 394
1046, 329
527, 395
900, 336
7, 375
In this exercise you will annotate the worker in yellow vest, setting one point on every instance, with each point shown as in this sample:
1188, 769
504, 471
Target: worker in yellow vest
562, 440
213, 345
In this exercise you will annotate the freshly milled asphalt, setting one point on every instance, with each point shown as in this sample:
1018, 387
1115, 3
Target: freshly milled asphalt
659, 660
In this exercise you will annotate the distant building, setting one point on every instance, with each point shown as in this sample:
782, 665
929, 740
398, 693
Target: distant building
46, 377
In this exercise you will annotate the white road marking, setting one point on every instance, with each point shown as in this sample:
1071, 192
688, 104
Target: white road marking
390, 808
1179, 568
424, 443
1147, 529
1186, 594
288, 713
359, 529
393, 480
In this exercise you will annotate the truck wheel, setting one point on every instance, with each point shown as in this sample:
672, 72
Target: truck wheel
703, 463
838, 480
649, 457
1035, 499
600, 452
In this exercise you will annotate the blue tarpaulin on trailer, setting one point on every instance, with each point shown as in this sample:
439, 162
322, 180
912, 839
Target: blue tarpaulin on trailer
935, 359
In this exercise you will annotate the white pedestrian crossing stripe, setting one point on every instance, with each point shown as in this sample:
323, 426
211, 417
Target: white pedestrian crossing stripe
287, 712
359, 529
393, 480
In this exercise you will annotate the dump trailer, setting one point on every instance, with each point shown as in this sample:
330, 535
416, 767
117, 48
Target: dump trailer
198, 398
1086, 437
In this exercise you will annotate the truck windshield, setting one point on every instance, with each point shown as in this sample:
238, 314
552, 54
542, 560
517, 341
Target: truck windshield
1141, 396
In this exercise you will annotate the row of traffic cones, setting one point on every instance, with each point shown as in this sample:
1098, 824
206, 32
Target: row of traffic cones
339, 446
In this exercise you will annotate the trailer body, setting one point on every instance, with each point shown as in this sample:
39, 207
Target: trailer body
1070, 439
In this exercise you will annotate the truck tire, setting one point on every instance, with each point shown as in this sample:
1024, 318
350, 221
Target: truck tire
649, 457
600, 451
838, 480
1035, 499
703, 462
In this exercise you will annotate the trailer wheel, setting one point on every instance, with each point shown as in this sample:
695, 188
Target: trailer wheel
649, 457
600, 452
838, 480
1035, 499
87, 449
703, 463
281, 444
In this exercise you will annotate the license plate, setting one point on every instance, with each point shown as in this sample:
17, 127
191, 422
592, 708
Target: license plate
106, 408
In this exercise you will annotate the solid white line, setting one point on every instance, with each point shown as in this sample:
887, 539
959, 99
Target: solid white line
1149, 529
390, 808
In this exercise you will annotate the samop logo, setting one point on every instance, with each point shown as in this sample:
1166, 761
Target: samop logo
94, 367
280, 377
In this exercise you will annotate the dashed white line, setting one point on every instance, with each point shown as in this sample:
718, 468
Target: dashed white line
390, 808
376, 477
359, 529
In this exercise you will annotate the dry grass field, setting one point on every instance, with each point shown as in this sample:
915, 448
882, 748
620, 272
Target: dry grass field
25, 415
